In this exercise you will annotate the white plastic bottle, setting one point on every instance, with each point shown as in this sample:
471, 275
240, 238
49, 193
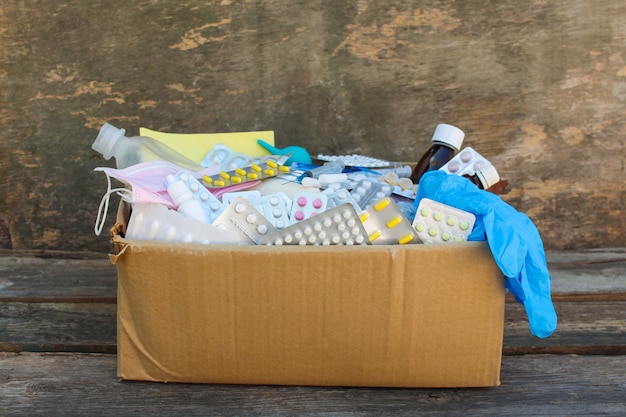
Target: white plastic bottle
184, 201
112, 142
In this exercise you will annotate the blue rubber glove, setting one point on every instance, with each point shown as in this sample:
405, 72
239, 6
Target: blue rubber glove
512, 237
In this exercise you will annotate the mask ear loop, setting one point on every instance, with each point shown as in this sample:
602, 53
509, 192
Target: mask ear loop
103, 209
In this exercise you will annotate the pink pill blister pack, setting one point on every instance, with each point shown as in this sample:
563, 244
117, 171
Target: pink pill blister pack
240, 216
468, 161
387, 225
336, 226
305, 204
436, 222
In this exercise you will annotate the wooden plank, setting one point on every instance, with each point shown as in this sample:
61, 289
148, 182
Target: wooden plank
85, 384
68, 276
58, 327
584, 328
60, 279
587, 272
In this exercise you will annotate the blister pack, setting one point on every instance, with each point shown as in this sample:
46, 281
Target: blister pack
339, 197
305, 204
468, 161
212, 205
249, 195
368, 191
225, 158
253, 172
240, 216
337, 226
435, 222
151, 221
274, 207
387, 225
355, 160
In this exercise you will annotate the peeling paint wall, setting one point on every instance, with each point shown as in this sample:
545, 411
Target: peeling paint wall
539, 88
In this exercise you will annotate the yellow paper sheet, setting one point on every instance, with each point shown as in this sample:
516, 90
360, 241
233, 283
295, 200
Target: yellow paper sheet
195, 146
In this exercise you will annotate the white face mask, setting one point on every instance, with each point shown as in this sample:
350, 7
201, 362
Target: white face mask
145, 183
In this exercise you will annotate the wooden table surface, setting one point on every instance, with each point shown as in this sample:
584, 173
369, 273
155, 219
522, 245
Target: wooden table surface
57, 353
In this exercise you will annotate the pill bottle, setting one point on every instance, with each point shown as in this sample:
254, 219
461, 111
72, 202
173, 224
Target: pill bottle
485, 177
112, 142
446, 142
184, 201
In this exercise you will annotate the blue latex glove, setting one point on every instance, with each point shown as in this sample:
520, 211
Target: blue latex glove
512, 237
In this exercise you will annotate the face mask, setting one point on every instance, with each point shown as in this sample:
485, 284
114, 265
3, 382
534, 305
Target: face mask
145, 183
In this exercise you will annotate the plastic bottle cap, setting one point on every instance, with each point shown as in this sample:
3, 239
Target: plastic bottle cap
177, 190
488, 176
449, 134
107, 139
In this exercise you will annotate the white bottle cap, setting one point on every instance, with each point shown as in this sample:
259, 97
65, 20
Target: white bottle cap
488, 176
449, 134
107, 139
178, 191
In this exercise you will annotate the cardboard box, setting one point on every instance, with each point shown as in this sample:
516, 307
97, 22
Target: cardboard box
386, 316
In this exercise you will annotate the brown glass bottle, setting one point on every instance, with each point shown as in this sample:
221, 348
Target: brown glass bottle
446, 142
485, 177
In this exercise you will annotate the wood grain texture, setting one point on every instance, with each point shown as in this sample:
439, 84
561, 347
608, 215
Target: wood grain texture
570, 385
69, 305
57, 345
538, 87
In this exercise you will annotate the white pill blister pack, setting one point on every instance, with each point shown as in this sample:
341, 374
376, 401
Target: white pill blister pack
212, 205
224, 157
240, 216
387, 225
249, 195
468, 161
336, 226
156, 222
366, 191
339, 197
435, 222
356, 160
274, 207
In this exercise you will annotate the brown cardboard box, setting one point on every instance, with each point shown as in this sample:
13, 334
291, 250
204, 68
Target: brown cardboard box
388, 316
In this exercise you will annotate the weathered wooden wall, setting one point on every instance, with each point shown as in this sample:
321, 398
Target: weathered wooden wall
538, 86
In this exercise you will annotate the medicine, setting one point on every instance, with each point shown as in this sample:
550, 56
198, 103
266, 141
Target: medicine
484, 177
211, 204
184, 200
446, 142
435, 222
241, 175
241, 217
387, 225
337, 226
306, 204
